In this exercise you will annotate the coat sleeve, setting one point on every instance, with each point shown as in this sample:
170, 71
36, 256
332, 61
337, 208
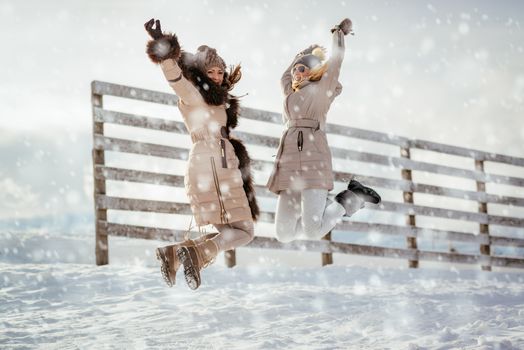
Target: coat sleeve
185, 90
286, 82
330, 78
287, 79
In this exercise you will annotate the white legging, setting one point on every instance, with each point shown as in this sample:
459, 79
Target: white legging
234, 235
307, 214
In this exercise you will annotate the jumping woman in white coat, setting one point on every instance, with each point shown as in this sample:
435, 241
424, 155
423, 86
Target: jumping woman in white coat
302, 175
218, 181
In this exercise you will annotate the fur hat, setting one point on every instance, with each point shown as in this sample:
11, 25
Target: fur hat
207, 57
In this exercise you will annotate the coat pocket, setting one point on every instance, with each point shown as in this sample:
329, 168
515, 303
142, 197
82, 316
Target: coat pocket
319, 139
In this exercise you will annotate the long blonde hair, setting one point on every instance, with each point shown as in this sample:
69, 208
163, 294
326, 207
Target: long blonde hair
317, 72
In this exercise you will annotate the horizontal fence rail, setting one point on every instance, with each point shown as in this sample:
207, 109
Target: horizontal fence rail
119, 145
482, 239
143, 205
260, 140
109, 89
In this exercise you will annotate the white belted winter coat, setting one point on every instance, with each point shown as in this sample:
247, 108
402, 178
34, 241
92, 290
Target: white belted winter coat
303, 158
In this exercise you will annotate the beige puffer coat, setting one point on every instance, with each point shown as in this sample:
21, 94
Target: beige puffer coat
213, 180
303, 158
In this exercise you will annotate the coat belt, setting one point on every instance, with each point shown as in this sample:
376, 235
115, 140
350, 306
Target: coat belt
204, 134
291, 124
303, 123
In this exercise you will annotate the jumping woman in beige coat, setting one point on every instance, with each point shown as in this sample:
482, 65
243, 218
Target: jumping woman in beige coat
302, 174
218, 180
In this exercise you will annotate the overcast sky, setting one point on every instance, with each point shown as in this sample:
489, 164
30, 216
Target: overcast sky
445, 71
450, 71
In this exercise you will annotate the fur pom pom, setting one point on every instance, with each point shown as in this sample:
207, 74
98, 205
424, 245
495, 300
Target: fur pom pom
319, 52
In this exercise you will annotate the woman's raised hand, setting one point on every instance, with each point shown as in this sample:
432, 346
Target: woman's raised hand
156, 32
346, 26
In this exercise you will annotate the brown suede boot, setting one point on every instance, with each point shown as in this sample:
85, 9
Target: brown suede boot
195, 258
169, 260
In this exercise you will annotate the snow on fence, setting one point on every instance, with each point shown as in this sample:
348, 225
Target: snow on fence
482, 239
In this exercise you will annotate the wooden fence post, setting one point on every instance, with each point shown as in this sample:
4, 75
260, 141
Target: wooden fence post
327, 258
485, 249
230, 257
408, 198
99, 186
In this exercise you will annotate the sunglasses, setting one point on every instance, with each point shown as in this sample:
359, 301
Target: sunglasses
300, 68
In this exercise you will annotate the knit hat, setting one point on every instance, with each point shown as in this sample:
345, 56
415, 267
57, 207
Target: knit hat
309, 61
207, 57
313, 59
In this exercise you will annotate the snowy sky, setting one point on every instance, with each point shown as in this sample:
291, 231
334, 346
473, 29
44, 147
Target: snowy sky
446, 71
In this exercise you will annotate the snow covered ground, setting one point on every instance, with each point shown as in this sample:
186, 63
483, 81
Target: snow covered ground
52, 296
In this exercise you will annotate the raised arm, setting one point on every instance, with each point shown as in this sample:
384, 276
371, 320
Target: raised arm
184, 89
286, 80
164, 50
330, 78
337, 54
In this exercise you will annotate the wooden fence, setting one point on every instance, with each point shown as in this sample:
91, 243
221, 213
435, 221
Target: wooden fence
410, 232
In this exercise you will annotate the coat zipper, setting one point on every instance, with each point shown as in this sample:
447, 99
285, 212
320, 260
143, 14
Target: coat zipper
223, 213
223, 153
300, 145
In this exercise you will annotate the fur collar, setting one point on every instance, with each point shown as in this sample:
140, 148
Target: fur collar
212, 93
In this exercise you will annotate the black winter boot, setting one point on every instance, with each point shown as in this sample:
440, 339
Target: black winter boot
350, 201
366, 193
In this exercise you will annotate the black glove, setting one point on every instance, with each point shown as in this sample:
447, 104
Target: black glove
346, 26
155, 33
